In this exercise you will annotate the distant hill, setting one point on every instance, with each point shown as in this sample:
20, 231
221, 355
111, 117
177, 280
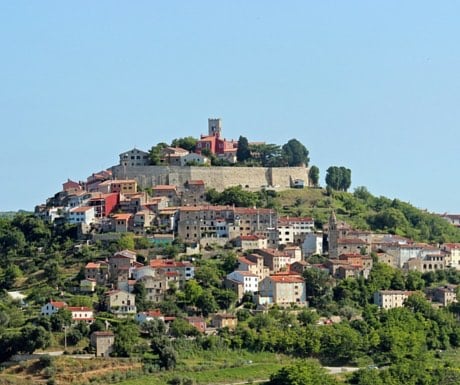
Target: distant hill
11, 214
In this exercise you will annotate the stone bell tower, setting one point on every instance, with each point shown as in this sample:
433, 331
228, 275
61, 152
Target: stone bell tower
215, 127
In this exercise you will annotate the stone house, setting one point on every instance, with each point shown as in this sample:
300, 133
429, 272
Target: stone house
282, 289
103, 341
120, 302
220, 321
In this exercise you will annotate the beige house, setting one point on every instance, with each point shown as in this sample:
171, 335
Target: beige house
220, 321
431, 262
103, 341
251, 242
452, 251
255, 264
282, 289
389, 299
120, 302
445, 295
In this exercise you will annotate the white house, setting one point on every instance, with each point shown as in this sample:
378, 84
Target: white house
84, 214
144, 271
291, 229
196, 159
82, 314
149, 315
312, 244
249, 280
52, 307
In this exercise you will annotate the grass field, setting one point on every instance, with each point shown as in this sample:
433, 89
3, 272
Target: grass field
226, 368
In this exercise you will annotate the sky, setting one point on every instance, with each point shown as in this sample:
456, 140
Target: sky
372, 86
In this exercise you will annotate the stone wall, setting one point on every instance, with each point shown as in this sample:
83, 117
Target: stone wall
251, 178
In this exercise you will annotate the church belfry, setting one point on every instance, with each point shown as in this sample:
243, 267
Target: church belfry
333, 235
214, 127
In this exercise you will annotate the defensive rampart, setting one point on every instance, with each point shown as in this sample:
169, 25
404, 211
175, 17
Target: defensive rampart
252, 178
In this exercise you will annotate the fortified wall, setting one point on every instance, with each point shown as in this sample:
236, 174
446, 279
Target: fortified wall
252, 178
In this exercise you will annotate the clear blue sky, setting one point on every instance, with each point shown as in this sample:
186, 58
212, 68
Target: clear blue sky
373, 86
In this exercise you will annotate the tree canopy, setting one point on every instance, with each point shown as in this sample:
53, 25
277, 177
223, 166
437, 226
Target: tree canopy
338, 178
295, 153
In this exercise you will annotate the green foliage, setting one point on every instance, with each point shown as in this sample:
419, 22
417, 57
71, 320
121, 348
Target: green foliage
155, 153
302, 373
181, 328
187, 143
126, 339
295, 153
243, 153
338, 178
60, 319
313, 175
240, 198
126, 242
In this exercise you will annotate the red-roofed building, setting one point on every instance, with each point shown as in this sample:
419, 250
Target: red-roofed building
84, 214
194, 193
282, 289
149, 315
71, 187
184, 270
52, 307
293, 229
214, 143
98, 271
123, 222
81, 314
198, 322
251, 242
104, 204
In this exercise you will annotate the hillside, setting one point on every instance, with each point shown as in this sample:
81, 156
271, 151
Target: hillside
364, 211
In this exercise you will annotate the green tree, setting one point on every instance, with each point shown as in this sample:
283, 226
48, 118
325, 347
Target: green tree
181, 328
126, 339
32, 338
267, 154
295, 153
60, 319
126, 242
313, 175
302, 373
243, 153
187, 143
155, 153
11, 273
207, 303
338, 178
167, 355
192, 291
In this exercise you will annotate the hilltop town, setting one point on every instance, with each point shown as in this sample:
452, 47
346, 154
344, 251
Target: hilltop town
141, 252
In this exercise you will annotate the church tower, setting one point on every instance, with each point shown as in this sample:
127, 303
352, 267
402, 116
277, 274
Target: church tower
333, 236
215, 127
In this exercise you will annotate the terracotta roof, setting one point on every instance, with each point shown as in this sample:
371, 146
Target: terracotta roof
351, 241
122, 216
164, 187
58, 304
294, 219
287, 278
245, 273
196, 182
81, 209
246, 261
159, 263
92, 265
103, 334
79, 308
249, 238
